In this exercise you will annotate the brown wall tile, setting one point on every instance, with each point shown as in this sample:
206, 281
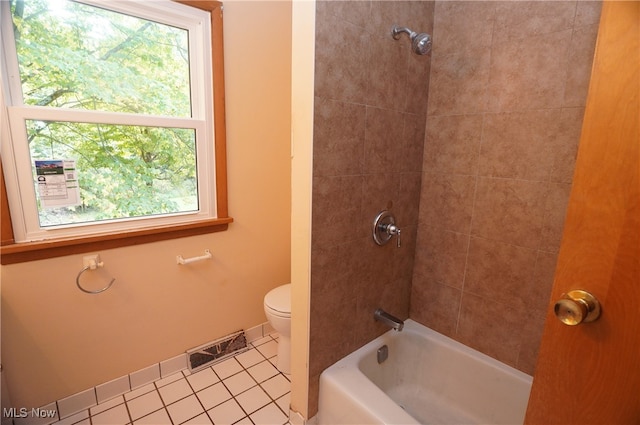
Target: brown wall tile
461, 57
380, 192
581, 52
463, 26
335, 270
540, 290
510, 211
340, 65
490, 327
380, 287
417, 85
353, 12
434, 305
556, 203
521, 70
459, 83
566, 149
397, 78
587, 12
411, 144
386, 80
329, 345
314, 392
417, 15
384, 130
403, 258
452, 144
336, 212
500, 272
408, 201
519, 145
441, 255
338, 138
528, 73
447, 201
369, 124
531, 335
523, 19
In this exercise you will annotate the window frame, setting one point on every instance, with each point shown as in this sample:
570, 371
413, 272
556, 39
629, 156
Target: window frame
12, 252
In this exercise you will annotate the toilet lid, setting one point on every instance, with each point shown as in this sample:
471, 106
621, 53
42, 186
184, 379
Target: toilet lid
279, 299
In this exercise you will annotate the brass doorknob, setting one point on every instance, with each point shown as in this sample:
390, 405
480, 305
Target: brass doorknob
576, 307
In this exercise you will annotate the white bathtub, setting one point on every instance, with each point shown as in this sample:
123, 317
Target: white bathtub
428, 378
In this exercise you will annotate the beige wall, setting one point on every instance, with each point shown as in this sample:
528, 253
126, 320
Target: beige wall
57, 341
302, 65
507, 94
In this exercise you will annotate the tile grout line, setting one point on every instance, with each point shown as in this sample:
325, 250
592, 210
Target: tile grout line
205, 411
194, 393
258, 384
154, 387
242, 392
272, 400
263, 329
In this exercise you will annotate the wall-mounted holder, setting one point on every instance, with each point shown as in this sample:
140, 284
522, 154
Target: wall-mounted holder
207, 255
384, 227
92, 262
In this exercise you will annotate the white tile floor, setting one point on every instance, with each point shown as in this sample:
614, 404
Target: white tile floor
245, 389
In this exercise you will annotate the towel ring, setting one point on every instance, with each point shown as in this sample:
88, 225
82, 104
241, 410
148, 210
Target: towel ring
97, 291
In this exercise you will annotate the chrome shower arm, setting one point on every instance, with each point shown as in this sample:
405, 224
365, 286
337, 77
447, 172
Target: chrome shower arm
396, 31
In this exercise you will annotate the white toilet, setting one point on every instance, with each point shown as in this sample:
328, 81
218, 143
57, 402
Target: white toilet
277, 307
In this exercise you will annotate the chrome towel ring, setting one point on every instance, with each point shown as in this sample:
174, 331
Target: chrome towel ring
92, 263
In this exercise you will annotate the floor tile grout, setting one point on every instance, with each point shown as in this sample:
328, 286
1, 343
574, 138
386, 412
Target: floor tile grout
254, 359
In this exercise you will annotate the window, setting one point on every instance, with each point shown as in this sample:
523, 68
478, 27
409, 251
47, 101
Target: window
116, 120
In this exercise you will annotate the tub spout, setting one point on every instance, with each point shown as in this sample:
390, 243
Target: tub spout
389, 320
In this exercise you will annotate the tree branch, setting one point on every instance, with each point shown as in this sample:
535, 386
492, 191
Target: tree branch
53, 96
122, 45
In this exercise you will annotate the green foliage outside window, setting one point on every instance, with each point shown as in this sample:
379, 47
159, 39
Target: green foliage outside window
78, 56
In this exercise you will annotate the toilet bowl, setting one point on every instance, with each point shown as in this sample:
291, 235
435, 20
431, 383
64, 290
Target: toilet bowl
277, 307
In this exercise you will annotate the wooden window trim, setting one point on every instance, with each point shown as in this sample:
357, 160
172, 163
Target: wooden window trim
11, 252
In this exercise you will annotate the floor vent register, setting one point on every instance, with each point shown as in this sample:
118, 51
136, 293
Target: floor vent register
216, 351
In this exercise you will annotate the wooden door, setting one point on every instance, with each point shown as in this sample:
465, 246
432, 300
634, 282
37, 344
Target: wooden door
590, 373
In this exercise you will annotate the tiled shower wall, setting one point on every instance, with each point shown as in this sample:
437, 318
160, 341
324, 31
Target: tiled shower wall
507, 95
370, 111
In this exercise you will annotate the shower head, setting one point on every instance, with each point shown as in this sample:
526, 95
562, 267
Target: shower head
420, 43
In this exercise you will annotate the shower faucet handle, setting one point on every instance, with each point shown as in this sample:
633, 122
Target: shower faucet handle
392, 229
384, 228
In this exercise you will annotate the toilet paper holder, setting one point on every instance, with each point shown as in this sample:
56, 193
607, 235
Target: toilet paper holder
207, 255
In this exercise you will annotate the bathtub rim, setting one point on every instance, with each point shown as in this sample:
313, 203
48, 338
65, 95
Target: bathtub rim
345, 378
360, 390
